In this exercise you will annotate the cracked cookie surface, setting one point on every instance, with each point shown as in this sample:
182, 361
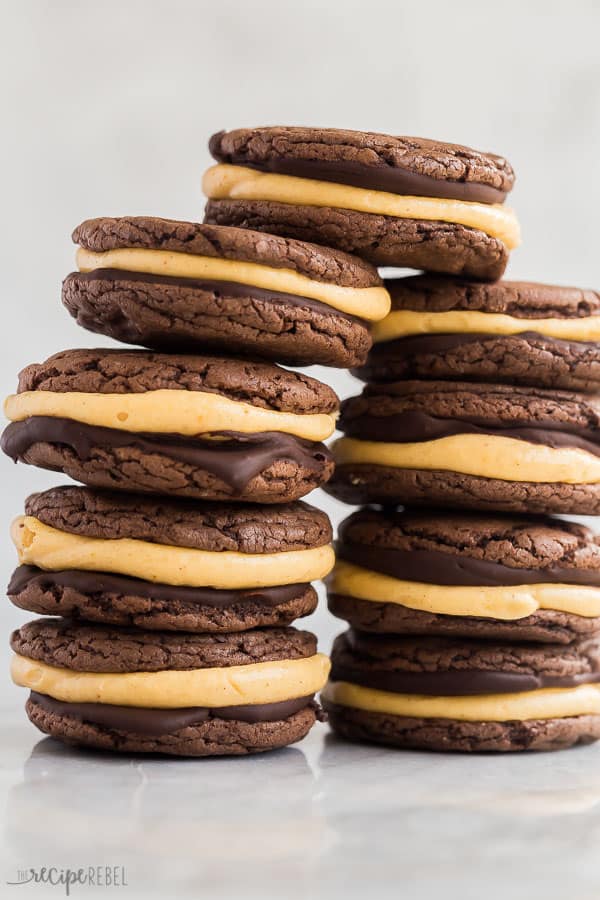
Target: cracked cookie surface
102, 371
96, 648
381, 240
264, 147
211, 526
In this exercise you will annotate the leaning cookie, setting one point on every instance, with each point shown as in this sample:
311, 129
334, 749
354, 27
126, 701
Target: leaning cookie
179, 286
182, 694
467, 575
477, 446
126, 559
469, 696
394, 201
510, 331
206, 427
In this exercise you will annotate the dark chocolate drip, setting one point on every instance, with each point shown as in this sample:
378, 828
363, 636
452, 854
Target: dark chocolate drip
416, 426
456, 683
221, 288
164, 721
380, 177
90, 583
236, 459
435, 567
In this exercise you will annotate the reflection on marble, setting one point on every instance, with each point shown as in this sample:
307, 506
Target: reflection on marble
323, 819
528, 785
185, 817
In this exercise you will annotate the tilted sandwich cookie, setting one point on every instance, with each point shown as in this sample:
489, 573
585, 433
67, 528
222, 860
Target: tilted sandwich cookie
126, 559
508, 331
180, 286
194, 426
156, 692
394, 201
469, 575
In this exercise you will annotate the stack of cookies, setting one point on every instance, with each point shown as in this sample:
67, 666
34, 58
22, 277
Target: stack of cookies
168, 582
474, 616
472, 630
174, 574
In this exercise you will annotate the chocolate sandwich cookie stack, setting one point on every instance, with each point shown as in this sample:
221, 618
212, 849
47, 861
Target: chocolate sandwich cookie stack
469, 631
169, 582
474, 624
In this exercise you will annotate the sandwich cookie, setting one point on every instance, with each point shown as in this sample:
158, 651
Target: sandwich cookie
394, 201
467, 575
487, 447
510, 331
469, 696
182, 694
179, 286
192, 426
126, 559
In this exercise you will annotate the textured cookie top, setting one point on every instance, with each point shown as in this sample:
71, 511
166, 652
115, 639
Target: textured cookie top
438, 655
244, 528
379, 155
522, 299
225, 242
98, 648
136, 371
517, 542
480, 404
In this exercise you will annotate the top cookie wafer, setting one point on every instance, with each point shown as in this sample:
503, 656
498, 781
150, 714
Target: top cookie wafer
399, 201
182, 286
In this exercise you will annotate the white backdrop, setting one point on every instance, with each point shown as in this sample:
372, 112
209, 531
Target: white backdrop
107, 108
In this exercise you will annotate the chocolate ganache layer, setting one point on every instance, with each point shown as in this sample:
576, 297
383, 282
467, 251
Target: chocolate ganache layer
454, 683
379, 177
437, 567
235, 458
414, 426
123, 585
164, 721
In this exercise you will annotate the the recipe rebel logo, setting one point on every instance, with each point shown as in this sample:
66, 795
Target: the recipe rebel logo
67, 878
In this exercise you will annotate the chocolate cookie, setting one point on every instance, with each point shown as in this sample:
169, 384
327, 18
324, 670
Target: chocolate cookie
489, 447
207, 427
394, 201
442, 694
168, 565
179, 286
467, 575
509, 331
123, 689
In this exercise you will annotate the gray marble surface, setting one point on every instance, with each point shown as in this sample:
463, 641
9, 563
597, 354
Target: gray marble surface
322, 819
